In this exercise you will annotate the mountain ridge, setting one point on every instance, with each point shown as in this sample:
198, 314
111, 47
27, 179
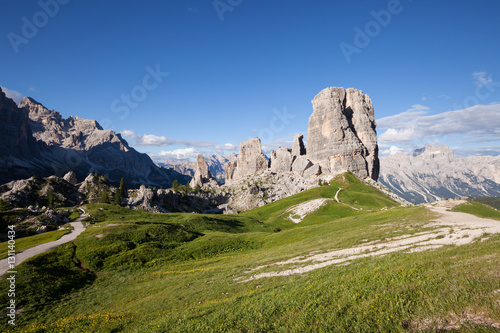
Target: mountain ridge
435, 172
43, 143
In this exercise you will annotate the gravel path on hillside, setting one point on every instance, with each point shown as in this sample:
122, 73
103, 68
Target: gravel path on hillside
298, 212
452, 228
78, 228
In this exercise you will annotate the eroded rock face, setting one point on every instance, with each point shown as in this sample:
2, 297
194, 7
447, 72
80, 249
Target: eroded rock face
83, 146
298, 147
300, 165
15, 134
202, 174
281, 160
341, 132
250, 161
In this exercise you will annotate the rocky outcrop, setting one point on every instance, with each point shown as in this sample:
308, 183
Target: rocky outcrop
70, 177
298, 147
281, 160
341, 133
300, 165
215, 164
202, 175
164, 201
250, 161
262, 188
36, 191
435, 172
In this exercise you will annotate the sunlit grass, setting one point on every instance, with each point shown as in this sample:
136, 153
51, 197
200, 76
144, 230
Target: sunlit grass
179, 273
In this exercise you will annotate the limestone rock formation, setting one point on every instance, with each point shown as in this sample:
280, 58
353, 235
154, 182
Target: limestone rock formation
250, 161
215, 164
34, 191
312, 172
301, 164
83, 146
70, 177
281, 160
341, 132
18, 148
298, 147
15, 133
202, 174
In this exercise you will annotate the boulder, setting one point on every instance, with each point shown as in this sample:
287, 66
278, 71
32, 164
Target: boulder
250, 161
301, 164
70, 177
312, 172
281, 160
341, 132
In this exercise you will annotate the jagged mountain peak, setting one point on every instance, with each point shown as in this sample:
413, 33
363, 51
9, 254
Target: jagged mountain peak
435, 151
28, 101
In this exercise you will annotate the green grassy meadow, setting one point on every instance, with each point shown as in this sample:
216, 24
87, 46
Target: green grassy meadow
133, 271
478, 209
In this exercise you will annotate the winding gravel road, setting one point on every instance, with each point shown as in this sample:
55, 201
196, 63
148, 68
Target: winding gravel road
78, 228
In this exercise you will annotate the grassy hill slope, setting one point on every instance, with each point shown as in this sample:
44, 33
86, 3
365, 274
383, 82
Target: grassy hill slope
140, 272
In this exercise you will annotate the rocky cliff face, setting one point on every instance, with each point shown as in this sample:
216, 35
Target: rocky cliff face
15, 133
250, 161
19, 151
434, 172
341, 133
202, 176
38, 141
82, 145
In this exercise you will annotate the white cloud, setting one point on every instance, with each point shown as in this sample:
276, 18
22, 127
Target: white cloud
12, 94
481, 78
480, 122
176, 154
481, 150
193, 147
152, 140
398, 135
386, 150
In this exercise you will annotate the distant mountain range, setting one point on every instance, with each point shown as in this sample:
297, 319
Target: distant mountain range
215, 165
434, 172
38, 141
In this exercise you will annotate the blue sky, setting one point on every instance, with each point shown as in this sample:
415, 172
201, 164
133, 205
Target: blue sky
181, 77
